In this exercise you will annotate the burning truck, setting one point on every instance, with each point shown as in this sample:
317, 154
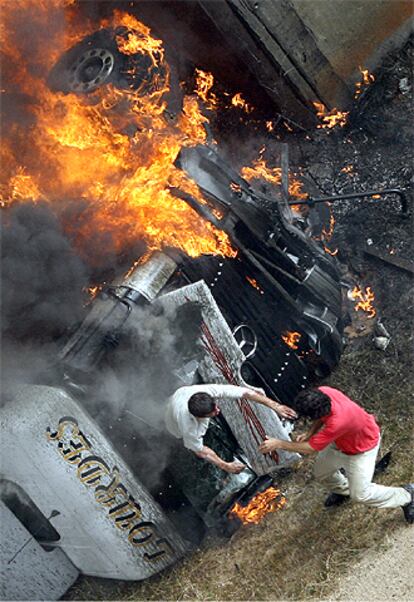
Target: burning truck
259, 298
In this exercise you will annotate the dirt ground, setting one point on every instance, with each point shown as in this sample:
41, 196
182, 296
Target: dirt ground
305, 551
366, 580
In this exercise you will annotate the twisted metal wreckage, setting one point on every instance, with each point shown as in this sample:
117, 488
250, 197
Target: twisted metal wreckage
89, 509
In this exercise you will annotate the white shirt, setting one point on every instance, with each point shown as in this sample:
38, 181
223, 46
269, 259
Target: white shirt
185, 426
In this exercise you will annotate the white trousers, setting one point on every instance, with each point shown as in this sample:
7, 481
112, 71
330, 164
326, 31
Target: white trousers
357, 482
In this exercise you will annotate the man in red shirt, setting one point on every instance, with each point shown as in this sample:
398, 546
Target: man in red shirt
346, 437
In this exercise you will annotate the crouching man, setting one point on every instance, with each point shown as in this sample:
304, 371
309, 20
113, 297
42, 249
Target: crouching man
189, 411
347, 437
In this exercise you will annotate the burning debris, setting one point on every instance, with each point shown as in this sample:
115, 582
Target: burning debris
255, 284
261, 504
361, 86
238, 101
363, 300
261, 171
291, 339
332, 118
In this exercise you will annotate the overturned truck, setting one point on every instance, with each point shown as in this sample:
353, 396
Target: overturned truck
112, 495
101, 511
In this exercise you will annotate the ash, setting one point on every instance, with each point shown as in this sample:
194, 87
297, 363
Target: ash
374, 151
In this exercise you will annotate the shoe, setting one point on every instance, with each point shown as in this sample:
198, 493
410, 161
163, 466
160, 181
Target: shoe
335, 499
408, 509
382, 465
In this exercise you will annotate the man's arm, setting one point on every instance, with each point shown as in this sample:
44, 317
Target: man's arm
270, 445
315, 427
208, 454
282, 410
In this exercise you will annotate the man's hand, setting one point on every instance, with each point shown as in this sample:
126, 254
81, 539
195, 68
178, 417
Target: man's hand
234, 467
270, 445
302, 437
210, 455
285, 411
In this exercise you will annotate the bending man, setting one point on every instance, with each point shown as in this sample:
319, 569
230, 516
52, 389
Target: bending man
347, 437
189, 411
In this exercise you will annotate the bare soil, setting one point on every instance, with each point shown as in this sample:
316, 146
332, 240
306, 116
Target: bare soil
386, 573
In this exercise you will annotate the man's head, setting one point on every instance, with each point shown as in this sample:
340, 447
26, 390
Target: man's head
312, 403
202, 405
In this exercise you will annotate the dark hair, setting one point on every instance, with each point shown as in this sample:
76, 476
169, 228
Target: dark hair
312, 403
201, 404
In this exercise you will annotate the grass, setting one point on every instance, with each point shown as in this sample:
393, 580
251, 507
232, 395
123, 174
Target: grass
299, 552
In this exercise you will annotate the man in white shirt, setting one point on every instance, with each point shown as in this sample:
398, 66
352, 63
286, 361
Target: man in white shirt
189, 411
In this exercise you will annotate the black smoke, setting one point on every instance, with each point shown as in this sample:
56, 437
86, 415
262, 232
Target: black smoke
43, 284
43, 280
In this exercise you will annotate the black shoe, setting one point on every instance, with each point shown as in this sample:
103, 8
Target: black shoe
335, 499
408, 509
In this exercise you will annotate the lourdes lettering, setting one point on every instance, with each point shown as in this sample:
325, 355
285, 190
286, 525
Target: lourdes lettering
93, 471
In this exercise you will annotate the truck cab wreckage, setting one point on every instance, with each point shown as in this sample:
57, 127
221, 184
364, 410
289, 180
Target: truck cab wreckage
280, 280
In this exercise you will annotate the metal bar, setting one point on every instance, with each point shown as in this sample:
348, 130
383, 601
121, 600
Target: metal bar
355, 195
202, 210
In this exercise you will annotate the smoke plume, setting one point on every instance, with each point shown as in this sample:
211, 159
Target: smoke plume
42, 290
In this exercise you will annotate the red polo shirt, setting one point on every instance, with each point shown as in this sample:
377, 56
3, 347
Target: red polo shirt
349, 426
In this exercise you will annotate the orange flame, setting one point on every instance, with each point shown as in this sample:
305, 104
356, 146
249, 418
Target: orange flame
327, 234
364, 300
238, 101
254, 284
367, 79
332, 118
235, 187
291, 339
23, 187
112, 148
93, 291
204, 82
260, 170
262, 503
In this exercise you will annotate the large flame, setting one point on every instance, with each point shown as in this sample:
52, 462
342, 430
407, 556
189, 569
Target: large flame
112, 148
262, 503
